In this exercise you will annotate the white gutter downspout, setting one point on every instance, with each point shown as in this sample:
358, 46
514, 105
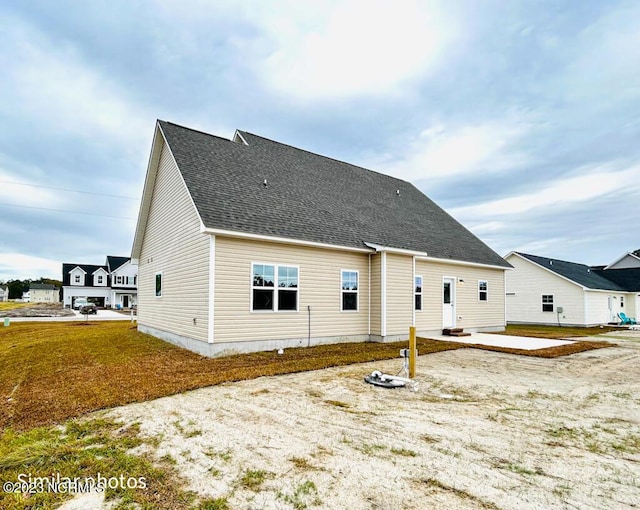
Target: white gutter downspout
413, 288
383, 294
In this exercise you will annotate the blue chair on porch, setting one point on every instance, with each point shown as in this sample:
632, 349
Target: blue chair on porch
626, 320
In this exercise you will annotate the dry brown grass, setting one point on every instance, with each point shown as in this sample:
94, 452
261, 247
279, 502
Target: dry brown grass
555, 332
53, 371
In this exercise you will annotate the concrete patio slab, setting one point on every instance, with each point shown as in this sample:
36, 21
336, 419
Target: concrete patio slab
511, 342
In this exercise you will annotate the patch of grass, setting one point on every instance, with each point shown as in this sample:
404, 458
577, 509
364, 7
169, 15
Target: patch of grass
224, 455
433, 483
554, 332
86, 449
303, 464
404, 452
214, 504
10, 305
429, 439
370, 449
301, 495
253, 479
338, 403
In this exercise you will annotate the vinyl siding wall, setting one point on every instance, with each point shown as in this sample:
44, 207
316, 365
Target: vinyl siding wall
173, 245
319, 280
399, 294
376, 296
529, 282
598, 311
471, 313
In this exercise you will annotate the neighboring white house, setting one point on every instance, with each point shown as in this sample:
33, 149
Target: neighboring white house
96, 283
249, 244
542, 290
26, 296
4, 293
44, 293
124, 281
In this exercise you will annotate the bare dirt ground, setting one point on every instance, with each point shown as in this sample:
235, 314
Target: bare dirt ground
484, 430
38, 310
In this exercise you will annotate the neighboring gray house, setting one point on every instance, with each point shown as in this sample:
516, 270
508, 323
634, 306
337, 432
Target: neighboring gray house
4, 293
543, 290
250, 244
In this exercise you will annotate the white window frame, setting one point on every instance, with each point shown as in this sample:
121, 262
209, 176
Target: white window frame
155, 283
356, 292
275, 287
416, 293
485, 291
100, 279
76, 279
548, 303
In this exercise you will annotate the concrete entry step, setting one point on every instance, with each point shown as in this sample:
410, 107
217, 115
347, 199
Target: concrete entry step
454, 332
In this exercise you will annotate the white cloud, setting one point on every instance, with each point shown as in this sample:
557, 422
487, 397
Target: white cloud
53, 85
21, 266
596, 182
440, 152
23, 195
357, 47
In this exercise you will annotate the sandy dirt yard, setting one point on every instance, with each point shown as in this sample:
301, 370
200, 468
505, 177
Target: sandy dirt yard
484, 430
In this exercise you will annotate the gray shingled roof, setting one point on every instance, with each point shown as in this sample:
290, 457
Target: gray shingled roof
628, 279
42, 286
89, 269
580, 273
114, 263
313, 198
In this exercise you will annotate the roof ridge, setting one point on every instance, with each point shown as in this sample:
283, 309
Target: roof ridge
326, 157
196, 130
554, 258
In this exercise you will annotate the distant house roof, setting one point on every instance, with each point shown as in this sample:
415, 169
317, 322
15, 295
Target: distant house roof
114, 263
258, 186
591, 277
42, 286
87, 268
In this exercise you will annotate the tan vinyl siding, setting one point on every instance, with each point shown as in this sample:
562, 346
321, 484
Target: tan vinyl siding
399, 280
173, 245
319, 287
526, 284
470, 311
376, 297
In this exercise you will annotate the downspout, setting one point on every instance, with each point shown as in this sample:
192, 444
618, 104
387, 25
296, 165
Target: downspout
369, 304
309, 328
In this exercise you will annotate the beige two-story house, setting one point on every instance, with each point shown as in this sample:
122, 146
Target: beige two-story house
249, 244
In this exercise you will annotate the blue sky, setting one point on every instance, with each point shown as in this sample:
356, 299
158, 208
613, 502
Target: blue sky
521, 119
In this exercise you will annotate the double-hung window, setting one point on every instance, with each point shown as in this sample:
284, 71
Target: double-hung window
274, 288
547, 302
349, 291
483, 290
418, 292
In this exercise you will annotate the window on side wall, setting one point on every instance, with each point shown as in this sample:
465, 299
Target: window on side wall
349, 291
417, 290
483, 290
547, 302
158, 284
621, 301
274, 288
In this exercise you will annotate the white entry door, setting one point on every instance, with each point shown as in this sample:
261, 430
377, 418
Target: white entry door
448, 303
